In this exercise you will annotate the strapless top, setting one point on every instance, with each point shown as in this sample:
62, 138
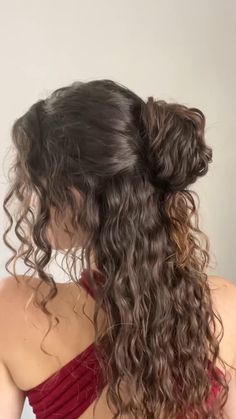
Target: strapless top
70, 391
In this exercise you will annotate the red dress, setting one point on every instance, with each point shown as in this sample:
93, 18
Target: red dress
69, 392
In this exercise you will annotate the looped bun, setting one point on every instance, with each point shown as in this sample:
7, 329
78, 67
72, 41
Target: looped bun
176, 150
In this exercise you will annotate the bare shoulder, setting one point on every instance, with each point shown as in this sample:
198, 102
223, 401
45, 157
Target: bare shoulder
16, 295
11, 291
22, 317
11, 396
16, 285
220, 281
223, 292
16, 290
13, 294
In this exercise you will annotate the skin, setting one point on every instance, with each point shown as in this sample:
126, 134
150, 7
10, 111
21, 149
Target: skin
27, 338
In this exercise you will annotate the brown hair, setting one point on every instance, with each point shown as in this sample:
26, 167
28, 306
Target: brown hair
132, 162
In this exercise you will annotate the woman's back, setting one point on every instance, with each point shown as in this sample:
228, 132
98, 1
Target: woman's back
28, 366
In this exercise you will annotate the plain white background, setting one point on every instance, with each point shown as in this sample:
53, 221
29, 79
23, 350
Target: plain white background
175, 50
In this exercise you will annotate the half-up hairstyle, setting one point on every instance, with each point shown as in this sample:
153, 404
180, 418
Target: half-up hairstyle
132, 162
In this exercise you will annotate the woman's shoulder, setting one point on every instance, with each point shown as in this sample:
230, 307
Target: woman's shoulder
221, 282
17, 297
18, 310
15, 293
12, 292
23, 326
223, 293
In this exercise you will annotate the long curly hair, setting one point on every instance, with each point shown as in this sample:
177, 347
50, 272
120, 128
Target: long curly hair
132, 162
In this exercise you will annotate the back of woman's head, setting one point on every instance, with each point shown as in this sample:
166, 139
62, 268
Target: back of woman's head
132, 163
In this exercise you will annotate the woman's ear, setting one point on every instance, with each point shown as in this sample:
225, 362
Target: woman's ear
59, 231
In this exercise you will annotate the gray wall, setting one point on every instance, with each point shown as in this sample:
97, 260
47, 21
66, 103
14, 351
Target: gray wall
177, 50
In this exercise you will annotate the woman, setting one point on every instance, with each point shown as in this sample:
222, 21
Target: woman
137, 331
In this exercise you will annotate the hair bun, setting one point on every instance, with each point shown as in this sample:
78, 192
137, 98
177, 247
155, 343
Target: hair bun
177, 152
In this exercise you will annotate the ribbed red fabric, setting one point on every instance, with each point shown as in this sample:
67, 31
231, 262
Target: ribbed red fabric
70, 391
